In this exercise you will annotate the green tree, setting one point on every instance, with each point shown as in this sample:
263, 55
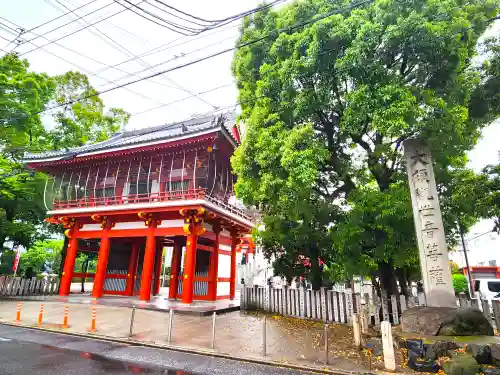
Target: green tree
83, 121
23, 96
43, 256
460, 283
354, 86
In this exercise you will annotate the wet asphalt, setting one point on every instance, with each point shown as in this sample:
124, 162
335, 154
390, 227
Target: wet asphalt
30, 352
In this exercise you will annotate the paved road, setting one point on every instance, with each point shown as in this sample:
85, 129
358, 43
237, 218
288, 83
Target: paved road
25, 351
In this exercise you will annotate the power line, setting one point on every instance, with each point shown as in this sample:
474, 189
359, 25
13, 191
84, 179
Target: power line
187, 30
135, 73
130, 53
76, 31
78, 66
168, 45
293, 27
56, 18
242, 14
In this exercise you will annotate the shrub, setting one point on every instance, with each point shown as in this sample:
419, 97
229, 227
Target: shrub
460, 283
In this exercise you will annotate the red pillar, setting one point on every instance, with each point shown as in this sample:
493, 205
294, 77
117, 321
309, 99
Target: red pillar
69, 263
214, 265
232, 281
102, 263
175, 268
148, 264
189, 268
132, 269
159, 263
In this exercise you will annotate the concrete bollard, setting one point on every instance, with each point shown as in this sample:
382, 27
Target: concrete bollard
364, 319
40, 316
130, 333
388, 346
264, 338
356, 327
18, 313
462, 298
170, 319
213, 330
326, 344
65, 319
92, 321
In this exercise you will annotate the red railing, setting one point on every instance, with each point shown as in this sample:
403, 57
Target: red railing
178, 195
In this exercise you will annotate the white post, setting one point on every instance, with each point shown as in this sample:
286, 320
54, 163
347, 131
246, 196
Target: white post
356, 327
365, 323
388, 346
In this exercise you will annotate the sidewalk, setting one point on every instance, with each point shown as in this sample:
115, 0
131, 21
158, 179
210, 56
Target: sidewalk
238, 334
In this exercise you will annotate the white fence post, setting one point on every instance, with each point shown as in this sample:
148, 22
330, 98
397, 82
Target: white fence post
356, 328
462, 300
302, 297
385, 306
394, 306
388, 346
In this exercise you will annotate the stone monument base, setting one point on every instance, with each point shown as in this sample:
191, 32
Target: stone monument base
445, 321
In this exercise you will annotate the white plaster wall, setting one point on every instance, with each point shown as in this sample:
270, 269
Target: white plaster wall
224, 247
171, 223
155, 187
224, 266
91, 227
129, 225
223, 289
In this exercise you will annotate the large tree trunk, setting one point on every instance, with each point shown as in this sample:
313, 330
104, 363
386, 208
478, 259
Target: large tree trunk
387, 278
402, 280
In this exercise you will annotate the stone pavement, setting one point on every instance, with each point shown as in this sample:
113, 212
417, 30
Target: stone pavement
289, 340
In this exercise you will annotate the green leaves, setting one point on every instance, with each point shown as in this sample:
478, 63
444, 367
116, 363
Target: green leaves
23, 95
328, 105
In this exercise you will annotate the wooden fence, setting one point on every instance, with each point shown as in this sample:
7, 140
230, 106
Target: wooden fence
17, 286
338, 306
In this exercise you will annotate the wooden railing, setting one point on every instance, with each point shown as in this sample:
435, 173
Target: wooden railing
177, 195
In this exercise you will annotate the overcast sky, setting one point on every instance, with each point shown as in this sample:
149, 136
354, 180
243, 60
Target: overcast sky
123, 36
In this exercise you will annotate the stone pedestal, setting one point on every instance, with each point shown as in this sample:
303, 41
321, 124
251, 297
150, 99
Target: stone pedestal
445, 321
434, 262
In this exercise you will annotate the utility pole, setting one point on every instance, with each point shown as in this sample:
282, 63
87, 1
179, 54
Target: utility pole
469, 276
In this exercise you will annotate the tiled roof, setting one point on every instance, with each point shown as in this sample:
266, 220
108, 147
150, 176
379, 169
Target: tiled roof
135, 138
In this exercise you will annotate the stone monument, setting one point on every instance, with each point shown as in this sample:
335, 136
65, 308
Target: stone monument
441, 315
434, 262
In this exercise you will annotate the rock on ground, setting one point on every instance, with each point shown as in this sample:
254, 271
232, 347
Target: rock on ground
445, 321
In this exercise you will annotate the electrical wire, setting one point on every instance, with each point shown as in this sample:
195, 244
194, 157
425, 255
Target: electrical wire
125, 50
182, 29
61, 16
76, 31
169, 45
239, 15
293, 27
81, 68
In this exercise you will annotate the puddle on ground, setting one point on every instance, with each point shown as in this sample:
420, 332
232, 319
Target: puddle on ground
112, 365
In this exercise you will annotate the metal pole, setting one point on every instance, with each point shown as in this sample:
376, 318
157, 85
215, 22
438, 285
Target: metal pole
264, 345
170, 318
213, 329
326, 343
469, 276
132, 321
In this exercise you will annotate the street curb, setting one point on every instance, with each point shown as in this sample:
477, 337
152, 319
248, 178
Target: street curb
195, 351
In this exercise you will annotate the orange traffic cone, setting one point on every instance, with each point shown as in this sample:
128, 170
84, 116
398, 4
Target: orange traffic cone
40, 315
92, 322
18, 313
65, 319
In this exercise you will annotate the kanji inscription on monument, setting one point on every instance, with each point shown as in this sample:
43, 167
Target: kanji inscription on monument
433, 252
